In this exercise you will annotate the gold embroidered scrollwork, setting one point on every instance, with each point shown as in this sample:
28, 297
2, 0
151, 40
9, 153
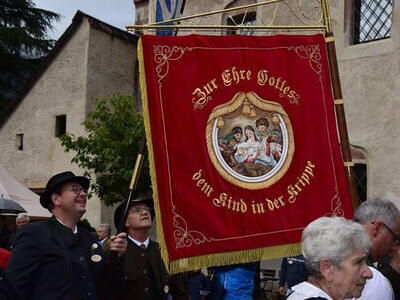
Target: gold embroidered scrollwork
163, 55
313, 54
183, 236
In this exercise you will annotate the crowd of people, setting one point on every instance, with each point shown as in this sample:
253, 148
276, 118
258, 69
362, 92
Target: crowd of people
340, 255
62, 258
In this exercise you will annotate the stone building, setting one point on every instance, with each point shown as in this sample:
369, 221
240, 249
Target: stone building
91, 59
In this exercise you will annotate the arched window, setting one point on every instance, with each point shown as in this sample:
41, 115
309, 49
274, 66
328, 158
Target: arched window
240, 17
359, 157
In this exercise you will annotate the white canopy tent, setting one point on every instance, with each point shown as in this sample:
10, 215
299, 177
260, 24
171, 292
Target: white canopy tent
12, 189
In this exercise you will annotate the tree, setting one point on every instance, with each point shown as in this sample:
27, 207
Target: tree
108, 153
23, 44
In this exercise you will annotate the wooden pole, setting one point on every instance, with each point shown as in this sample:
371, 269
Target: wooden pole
132, 186
339, 105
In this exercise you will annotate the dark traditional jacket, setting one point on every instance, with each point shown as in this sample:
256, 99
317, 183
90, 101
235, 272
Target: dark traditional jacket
293, 271
144, 276
50, 262
179, 286
394, 278
7, 292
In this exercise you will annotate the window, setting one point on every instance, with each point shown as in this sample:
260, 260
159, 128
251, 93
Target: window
20, 141
372, 20
61, 125
360, 175
359, 156
247, 19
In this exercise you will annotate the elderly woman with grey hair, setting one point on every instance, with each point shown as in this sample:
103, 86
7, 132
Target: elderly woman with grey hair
335, 252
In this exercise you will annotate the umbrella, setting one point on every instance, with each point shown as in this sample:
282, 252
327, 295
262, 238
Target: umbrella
8, 206
12, 189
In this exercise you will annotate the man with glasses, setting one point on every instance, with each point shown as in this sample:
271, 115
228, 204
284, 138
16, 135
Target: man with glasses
144, 274
57, 258
381, 221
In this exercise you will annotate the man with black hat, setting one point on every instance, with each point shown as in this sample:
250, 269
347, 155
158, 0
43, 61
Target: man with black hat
58, 259
144, 274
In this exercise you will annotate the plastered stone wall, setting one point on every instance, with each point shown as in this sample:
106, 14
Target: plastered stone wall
111, 66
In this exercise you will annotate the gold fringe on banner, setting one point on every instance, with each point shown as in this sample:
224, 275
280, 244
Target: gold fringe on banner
147, 127
198, 262
234, 257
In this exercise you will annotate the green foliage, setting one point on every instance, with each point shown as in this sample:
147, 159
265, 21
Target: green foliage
23, 42
114, 134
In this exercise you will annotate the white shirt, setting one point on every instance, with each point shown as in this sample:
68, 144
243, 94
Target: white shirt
146, 242
101, 242
377, 288
306, 290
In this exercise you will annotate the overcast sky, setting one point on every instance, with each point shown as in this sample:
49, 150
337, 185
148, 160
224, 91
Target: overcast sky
118, 13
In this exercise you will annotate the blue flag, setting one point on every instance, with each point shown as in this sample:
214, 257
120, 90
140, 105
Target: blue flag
167, 10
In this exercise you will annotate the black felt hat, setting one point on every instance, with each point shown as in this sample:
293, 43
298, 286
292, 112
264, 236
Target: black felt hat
54, 183
119, 212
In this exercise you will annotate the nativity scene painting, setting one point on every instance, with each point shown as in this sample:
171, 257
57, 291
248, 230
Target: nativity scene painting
250, 138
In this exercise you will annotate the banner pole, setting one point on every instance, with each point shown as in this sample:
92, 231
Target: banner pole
339, 107
132, 186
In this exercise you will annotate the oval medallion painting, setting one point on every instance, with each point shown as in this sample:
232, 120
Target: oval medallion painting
250, 141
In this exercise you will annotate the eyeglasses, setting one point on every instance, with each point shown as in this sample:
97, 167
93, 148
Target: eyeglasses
77, 189
138, 209
396, 238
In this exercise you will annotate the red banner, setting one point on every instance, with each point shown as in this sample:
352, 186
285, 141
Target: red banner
243, 145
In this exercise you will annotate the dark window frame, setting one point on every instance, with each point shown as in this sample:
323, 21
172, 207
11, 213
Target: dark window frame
361, 179
20, 141
60, 125
363, 11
